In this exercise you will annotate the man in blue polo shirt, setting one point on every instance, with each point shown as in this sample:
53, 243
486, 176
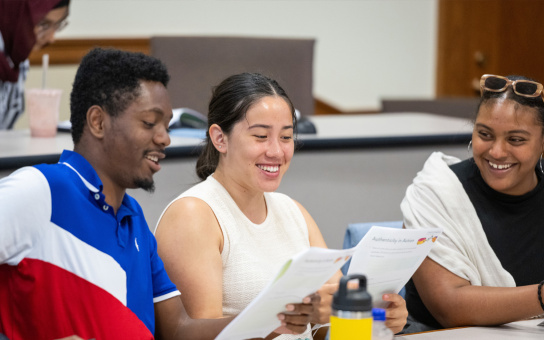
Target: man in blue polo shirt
76, 254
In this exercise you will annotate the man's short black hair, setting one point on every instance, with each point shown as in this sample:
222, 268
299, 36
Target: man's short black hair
110, 79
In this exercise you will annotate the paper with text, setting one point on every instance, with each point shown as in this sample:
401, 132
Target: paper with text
301, 276
388, 257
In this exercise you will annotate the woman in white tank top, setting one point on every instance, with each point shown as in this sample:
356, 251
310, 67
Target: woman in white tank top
225, 238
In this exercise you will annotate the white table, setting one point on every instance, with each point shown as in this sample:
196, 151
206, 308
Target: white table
386, 125
18, 149
525, 330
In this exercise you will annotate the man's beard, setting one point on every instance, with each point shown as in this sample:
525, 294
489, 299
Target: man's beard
146, 184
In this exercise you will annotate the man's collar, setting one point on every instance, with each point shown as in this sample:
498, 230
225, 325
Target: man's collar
90, 178
83, 168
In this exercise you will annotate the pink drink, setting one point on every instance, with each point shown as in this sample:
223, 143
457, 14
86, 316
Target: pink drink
43, 111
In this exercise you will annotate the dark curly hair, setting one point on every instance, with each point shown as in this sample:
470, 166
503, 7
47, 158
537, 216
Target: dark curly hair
230, 101
110, 79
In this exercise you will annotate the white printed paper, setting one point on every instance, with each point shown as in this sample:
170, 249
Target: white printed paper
388, 257
301, 276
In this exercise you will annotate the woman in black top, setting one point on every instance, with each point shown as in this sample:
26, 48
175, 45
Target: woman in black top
487, 266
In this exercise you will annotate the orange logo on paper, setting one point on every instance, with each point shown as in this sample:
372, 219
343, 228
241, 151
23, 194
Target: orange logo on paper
347, 257
434, 238
421, 240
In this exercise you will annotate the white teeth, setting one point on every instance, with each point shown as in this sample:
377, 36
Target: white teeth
153, 158
269, 168
500, 166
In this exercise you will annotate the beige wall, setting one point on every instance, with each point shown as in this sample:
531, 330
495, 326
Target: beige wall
365, 50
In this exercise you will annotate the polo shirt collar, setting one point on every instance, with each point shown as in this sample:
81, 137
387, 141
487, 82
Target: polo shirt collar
90, 179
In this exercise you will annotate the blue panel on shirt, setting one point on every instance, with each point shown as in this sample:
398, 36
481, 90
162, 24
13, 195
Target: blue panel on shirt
125, 237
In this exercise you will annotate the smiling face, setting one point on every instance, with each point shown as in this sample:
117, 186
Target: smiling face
507, 142
136, 138
259, 148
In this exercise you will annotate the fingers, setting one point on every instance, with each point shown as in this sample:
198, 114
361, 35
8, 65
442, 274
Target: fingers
299, 308
316, 308
397, 306
293, 323
322, 306
297, 315
353, 284
394, 298
396, 313
312, 299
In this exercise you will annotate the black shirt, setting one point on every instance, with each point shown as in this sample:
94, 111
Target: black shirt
513, 225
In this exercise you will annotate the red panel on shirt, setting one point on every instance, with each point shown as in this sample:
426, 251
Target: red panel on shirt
43, 301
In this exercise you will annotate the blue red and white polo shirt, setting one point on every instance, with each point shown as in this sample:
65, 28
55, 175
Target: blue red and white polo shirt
68, 264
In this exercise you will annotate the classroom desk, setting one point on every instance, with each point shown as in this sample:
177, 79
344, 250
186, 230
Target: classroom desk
386, 129
18, 149
525, 330
356, 169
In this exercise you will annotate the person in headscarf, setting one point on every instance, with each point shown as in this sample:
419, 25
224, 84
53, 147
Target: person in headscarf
25, 25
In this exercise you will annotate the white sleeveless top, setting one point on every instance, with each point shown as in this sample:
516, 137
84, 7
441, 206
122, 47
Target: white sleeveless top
252, 253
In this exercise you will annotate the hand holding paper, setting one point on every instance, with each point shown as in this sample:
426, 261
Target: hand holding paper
296, 316
389, 257
301, 276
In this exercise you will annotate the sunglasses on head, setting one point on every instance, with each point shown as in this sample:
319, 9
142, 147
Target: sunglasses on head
524, 88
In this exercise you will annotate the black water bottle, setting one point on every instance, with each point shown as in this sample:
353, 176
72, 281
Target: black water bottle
351, 316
